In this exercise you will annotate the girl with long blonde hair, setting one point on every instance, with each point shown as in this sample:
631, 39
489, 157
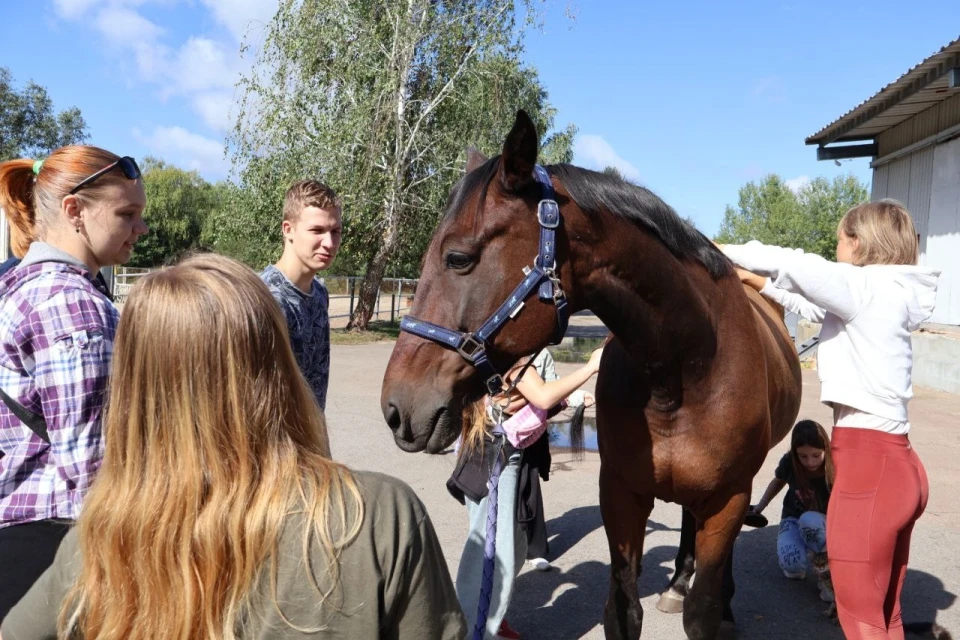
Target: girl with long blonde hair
524, 413
218, 512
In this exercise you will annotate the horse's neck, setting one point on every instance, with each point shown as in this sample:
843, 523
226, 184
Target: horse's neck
653, 304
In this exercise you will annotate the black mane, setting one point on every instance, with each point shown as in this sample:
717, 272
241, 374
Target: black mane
595, 192
479, 178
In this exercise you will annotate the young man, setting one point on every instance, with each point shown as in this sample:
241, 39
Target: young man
311, 237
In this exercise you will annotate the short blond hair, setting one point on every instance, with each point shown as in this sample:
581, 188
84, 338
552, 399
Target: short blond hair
308, 193
885, 232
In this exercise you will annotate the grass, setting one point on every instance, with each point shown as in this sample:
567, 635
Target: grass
376, 332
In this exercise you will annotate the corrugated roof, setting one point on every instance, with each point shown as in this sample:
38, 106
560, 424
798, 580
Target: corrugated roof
916, 90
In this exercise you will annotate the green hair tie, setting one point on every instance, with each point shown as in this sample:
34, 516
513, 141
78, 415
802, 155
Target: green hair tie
36, 167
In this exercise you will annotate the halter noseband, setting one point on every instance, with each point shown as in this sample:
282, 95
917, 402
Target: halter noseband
472, 345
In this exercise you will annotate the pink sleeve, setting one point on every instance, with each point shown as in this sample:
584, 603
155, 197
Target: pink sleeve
525, 426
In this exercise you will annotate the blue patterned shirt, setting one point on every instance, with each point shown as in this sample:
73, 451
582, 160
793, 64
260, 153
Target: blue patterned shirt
308, 321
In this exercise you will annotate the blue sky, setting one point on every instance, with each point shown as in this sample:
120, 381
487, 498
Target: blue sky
691, 99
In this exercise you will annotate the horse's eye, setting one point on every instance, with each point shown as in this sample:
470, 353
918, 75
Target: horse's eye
458, 261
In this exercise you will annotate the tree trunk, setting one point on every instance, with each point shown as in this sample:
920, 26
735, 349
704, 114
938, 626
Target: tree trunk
369, 287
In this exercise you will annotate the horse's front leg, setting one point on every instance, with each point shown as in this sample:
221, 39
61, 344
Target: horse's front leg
704, 608
671, 601
625, 521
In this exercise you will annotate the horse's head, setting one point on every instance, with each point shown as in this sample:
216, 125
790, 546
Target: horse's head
489, 233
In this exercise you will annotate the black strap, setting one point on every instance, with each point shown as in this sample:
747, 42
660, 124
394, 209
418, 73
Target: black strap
30, 420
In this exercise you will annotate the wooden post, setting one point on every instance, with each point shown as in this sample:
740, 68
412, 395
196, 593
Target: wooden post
350, 282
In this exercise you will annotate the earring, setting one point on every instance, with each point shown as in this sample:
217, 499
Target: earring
78, 227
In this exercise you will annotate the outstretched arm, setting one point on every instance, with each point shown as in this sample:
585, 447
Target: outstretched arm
776, 486
546, 395
834, 287
789, 301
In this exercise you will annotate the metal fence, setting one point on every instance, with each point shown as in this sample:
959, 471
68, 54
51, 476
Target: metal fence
123, 280
393, 300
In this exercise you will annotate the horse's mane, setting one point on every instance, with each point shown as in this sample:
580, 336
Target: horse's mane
595, 192
480, 178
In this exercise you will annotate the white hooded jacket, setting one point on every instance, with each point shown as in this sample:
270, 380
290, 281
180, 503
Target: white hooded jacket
868, 313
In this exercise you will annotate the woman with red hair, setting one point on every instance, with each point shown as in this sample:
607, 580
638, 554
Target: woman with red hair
79, 210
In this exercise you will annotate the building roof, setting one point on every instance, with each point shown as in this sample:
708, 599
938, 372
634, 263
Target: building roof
916, 90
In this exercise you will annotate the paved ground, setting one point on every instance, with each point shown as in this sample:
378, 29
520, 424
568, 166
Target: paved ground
567, 602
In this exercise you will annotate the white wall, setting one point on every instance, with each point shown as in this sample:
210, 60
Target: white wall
943, 230
928, 182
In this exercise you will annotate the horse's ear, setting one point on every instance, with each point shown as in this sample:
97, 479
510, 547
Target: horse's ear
519, 153
474, 158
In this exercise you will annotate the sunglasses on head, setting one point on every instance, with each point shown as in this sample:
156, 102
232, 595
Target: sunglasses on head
126, 164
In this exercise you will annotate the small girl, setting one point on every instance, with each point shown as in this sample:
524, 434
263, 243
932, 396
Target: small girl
807, 472
527, 408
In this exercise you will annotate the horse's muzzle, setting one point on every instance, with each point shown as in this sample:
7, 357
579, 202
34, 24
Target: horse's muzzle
419, 428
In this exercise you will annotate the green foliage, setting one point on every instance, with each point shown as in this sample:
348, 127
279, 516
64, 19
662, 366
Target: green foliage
28, 125
772, 213
378, 100
178, 204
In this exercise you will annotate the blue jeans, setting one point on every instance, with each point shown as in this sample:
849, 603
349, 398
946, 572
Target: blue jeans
511, 552
799, 535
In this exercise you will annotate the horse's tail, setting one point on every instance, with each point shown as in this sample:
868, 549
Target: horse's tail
576, 433
928, 630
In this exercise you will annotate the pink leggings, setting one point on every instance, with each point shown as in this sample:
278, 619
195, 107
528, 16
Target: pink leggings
879, 491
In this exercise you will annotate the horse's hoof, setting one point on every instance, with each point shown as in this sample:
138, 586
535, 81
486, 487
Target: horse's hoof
728, 630
670, 602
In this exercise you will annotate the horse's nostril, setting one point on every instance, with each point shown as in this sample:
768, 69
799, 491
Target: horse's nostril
393, 417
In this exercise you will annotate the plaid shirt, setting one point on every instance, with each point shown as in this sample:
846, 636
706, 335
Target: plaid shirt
56, 340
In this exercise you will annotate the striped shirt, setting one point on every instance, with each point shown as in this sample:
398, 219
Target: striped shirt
56, 340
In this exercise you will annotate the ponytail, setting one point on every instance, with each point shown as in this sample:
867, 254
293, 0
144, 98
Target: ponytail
31, 192
17, 181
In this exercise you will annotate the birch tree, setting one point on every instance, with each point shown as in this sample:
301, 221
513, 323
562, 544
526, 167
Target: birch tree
380, 100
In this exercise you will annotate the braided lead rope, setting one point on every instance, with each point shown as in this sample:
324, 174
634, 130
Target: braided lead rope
490, 543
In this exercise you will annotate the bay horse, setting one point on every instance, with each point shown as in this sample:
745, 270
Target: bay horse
700, 380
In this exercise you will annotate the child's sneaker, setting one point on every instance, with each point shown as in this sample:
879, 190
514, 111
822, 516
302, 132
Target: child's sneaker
541, 564
799, 575
507, 632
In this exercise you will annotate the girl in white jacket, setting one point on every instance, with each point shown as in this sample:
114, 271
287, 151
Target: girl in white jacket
869, 301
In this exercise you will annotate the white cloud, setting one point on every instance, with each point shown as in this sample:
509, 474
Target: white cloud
203, 64
795, 184
241, 16
73, 8
186, 149
593, 152
125, 26
203, 70
216, 109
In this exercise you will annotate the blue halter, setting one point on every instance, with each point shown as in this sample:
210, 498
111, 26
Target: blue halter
472, 346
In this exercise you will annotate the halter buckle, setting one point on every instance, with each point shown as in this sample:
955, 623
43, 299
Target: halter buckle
548, 214
470, 346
